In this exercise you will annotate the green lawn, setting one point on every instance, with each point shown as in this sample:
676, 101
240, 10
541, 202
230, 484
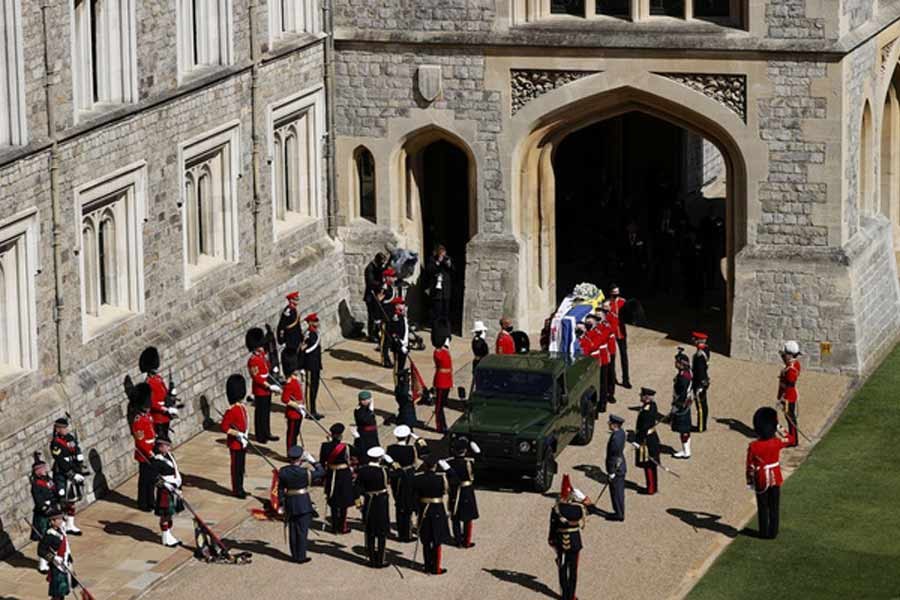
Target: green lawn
840, 513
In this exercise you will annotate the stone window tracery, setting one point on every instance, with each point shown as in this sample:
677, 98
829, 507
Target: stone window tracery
724, 12
12, 90
18, 319
204, 34
290, 17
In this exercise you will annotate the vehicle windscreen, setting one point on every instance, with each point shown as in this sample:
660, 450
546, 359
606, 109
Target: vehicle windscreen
529, 387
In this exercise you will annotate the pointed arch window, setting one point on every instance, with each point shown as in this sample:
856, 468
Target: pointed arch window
18, 319
204, 34
364, 183
291, 17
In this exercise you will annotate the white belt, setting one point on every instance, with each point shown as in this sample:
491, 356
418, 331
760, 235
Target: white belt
771, 466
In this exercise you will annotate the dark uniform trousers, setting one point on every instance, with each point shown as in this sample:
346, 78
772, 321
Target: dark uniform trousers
567, 565
146, 487
611, 379
623, 356
298, 531
767, 503
702, 410
238, 465
312, 390
617, 493
440, 402
161, 430
262, 408
792, 423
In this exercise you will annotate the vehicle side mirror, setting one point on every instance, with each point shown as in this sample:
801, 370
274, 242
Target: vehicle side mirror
461, 391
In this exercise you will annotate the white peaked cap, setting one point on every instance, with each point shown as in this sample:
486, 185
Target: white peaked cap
792, 347
376, 452
479, 326
402, 431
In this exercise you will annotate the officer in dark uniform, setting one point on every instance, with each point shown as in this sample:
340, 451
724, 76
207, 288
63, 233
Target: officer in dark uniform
386, 298
289, 332
68, 471
406, 411
405, 454
43, 492
334, 456
439, 287
700, 378
366, 435
294, 481
646, 440
398, 335
480, 347
374, 280
430, 489
616, 466
372, 498
311, 350
680, 414
462, 504
567, 520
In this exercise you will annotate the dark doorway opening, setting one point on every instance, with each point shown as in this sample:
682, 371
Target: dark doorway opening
445, 201
641, 202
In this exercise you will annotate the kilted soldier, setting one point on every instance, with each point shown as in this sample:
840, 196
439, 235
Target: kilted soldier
398, 335
480, 347
646, 440
259, 368
43, 493
462, 504
616, 304
386, 298
312, 362
374, 279
54, 548
292, 396
373, 499
443, 378
405, 454
366, 425
334, 455
787, 388
168, 489
294, 481
68, 466
430, 489
616, 466
680, 413
162, 414
289, 332
700, 378
567, 520
144, 440
236, 423
764, 470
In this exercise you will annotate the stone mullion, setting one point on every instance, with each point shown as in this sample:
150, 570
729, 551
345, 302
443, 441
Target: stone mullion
590, 9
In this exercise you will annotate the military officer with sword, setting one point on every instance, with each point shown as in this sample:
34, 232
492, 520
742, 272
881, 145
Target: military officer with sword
616, 467
646, 440
373, 499
335, 455
430, 488
294, 481
567, 519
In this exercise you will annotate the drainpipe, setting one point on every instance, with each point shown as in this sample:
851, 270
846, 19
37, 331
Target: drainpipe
56, 235
328, 22
254, 134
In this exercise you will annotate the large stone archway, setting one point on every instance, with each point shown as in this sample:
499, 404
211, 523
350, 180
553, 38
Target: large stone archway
548, 121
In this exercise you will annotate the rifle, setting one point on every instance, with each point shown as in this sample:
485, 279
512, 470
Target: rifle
254, 448
172, 396
85, 593
272, 349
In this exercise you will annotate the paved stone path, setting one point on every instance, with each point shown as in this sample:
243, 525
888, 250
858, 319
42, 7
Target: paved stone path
665, 543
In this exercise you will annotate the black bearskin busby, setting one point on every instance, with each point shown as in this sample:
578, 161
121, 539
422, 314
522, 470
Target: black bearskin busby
521, 341
235, 388
149, 360
440, 333
255, 338
765, 422
140, 397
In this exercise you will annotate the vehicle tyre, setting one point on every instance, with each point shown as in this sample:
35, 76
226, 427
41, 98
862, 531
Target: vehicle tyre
586, 431
543, 479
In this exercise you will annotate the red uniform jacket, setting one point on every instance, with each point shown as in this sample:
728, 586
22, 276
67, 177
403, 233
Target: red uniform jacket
615, 305
505, 343
763, 469
258, 365
144, 437
787, 382
599, 340
613, 326
235, 418
292, 393
443, 369
158, 394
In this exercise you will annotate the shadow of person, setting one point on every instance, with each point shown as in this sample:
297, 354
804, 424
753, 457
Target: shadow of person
195, 481
344, 355
738, 426
593, 472
209, 424
362, 384
335, 550
100, 485
350, 327
526, 580
257, 547
270, 454
704, 520
135, 532
391, 557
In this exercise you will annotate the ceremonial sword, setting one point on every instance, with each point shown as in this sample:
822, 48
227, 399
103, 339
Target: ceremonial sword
791, 420
657, 463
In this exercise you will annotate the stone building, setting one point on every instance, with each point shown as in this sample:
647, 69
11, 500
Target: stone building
166, 175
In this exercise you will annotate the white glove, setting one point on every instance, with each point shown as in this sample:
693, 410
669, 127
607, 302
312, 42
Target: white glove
173, 392
243, 439
62, 492
78, 477
612, 476
303, 411
308, 457
414, 436
58, 560
579, 495
444, 465
354, 432
387, 458
474, 447
275, 389
80, 458
172, 411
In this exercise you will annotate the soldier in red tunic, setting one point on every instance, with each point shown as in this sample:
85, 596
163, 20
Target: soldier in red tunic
764, 470
595, 343
235, 423
144, 439
161, 413
787, 388
293, 400
505, 343
443, 381
259, 368
611, 325
616, 304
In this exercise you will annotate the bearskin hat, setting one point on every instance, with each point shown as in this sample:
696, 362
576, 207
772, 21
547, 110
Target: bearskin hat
149, 360
440, 333
290, 362
235, 388
255, 338
140, 397
765, 422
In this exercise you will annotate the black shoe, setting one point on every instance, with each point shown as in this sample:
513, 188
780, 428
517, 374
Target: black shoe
242, 495
611, 400
304, 561
387, 364
615, 518
318, 416
274, 438
626, 385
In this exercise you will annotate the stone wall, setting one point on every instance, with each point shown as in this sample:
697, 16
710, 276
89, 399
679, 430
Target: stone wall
858, 71
415, 16
789, 19
788, 196
858, 12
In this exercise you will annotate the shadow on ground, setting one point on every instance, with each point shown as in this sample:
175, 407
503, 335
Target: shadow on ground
529, 582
